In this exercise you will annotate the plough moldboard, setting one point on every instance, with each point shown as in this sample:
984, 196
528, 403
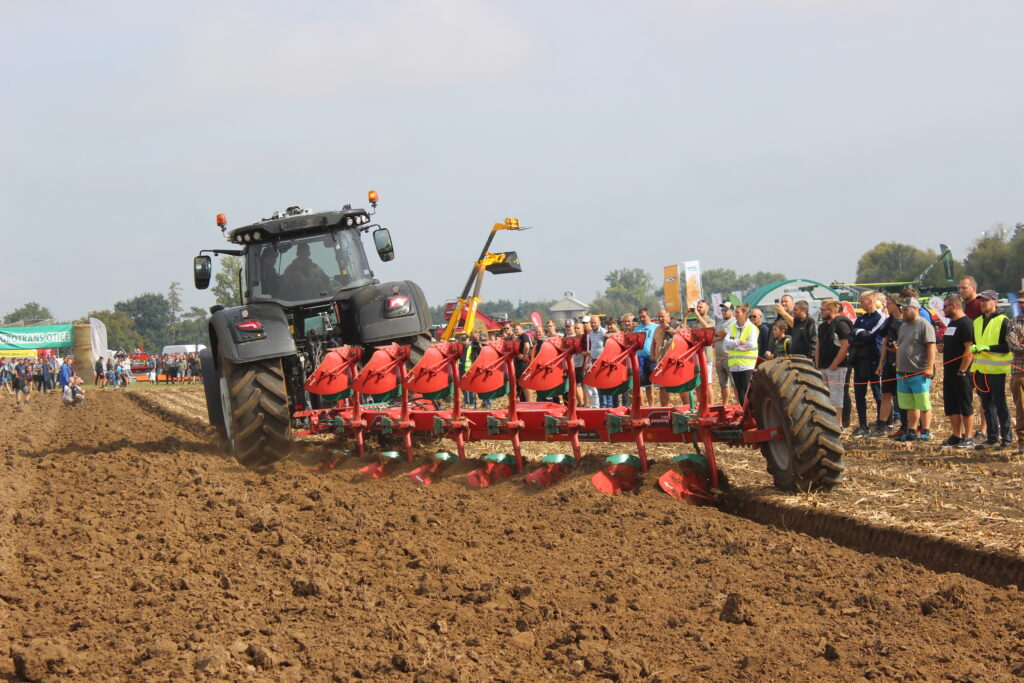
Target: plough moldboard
383, 398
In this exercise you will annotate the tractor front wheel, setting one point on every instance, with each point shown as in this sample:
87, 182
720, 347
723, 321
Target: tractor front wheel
789, 393
257, 420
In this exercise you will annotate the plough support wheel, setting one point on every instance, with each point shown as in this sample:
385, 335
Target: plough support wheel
790, 394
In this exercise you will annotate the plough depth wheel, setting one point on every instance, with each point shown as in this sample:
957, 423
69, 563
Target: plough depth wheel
789, 393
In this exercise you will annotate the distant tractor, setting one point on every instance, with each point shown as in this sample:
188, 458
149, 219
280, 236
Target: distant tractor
306, 287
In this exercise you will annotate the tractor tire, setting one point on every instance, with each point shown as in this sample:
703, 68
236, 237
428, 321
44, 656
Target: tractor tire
790, 393
418, 345
257, 419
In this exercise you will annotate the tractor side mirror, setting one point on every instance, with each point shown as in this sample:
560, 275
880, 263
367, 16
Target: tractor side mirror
382, 241
202, 269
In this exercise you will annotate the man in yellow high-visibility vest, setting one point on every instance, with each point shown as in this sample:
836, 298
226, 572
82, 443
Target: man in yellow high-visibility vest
991, 365
741, 343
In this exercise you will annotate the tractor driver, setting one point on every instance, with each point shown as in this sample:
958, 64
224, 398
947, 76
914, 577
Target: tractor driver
269, 279
304, 279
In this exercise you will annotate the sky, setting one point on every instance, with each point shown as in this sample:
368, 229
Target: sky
781, 135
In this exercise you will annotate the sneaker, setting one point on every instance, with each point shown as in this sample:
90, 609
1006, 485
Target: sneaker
924, 435
860, 433
951, 441
966, 443
908, 436
982, 445
980, 436
898, 434
1006, 443
878, 430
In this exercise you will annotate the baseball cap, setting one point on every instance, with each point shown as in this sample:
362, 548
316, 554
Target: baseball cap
910, 302
725, 305
585, 319
990, 294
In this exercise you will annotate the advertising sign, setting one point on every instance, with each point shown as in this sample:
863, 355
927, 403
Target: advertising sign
691, 280
35, 337
672, 303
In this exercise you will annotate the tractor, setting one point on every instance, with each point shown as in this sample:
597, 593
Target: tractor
305, 287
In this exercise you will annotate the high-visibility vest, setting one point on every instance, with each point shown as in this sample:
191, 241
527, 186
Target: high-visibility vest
986, 362
738, 358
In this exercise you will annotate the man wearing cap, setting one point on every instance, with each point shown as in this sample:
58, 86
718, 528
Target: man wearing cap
722, 353
1015, 339
992, 359
915, 367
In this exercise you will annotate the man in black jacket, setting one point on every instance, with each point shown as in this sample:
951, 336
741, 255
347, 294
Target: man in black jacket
802, 329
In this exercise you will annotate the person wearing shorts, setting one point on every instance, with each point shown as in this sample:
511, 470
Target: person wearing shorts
915, 363
833, 344
957, 389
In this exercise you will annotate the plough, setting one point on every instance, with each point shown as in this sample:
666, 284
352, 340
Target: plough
786, 413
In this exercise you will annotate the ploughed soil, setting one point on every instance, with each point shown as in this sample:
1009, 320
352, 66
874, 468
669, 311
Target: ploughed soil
131, 548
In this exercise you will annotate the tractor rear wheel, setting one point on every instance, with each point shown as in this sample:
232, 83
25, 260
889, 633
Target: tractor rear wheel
789, 393
257, 420
418, 345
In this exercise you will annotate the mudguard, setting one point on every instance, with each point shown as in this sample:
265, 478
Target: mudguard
211, 387
273, 340
365, 315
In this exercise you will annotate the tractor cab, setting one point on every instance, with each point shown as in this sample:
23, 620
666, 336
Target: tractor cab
298, 257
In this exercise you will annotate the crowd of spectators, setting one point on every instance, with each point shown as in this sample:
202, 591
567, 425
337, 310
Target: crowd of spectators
24, 376
174, 367
889, 349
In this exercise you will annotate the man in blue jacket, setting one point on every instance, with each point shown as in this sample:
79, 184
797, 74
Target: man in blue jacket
67, 371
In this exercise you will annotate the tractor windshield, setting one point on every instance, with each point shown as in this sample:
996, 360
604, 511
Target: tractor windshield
307, 268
